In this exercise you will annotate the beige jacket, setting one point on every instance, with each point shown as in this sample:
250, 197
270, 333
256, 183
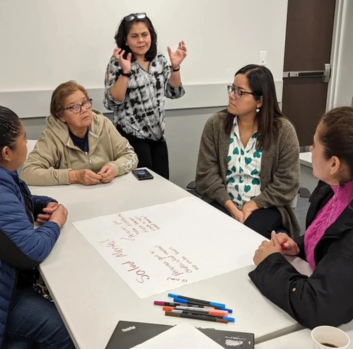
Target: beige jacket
280, 169
55, 154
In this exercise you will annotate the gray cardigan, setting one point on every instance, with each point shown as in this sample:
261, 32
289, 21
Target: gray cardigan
279, 169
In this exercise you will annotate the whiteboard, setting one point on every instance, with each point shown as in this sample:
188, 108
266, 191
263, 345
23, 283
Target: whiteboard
47, 42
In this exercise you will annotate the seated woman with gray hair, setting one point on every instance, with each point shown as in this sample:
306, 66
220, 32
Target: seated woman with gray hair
79, 145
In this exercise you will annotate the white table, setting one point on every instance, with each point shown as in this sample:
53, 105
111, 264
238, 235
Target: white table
91, 296
300, 339
307, 179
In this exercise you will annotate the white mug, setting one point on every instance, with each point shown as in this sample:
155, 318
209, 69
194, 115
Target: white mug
325, 337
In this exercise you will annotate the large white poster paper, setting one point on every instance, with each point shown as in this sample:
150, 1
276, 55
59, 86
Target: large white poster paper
162, 247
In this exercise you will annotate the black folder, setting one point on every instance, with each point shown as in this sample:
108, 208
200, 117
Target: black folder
129, 334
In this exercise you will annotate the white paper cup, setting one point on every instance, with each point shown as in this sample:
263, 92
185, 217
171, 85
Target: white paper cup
329, 335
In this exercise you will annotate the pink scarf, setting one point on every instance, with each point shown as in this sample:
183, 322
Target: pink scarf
325, 217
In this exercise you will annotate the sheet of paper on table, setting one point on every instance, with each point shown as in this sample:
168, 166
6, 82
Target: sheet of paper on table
163, 247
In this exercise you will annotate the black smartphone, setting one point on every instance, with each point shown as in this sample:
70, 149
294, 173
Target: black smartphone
142, 174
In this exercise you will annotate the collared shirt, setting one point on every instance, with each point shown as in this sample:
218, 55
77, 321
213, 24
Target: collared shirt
244, 166
142, 112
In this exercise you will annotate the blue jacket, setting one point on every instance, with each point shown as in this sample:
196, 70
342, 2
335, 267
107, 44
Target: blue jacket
21, 246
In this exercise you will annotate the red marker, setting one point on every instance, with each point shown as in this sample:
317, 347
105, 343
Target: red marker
283, 245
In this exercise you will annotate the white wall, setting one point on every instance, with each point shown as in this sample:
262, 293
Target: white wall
341, 89
47, 42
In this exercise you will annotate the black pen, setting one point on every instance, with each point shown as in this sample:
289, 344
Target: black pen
197, 317
198, 301
172, 304
196, 312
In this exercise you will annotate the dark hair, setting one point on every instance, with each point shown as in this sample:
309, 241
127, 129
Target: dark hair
10, 128
336, 135
123, 31
63, 91
261, 83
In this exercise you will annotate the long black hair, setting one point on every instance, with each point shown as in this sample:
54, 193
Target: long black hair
123, 31
10, 128
261, 83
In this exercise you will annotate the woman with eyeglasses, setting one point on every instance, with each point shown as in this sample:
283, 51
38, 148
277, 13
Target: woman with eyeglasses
137, 80
248, 163
79, 145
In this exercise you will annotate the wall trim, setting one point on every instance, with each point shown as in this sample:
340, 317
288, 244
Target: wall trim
31, 104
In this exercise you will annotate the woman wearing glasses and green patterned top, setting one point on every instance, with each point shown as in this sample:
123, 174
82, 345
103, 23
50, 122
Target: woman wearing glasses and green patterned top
248, 163
137, 80
78, 145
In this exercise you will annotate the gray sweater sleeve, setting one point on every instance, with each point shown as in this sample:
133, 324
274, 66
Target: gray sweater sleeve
209, 179
285, 180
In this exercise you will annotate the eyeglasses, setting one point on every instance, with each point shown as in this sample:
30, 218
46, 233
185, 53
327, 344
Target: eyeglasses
87, 104
238, 93
132, 16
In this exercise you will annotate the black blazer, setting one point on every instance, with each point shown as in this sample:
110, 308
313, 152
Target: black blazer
326, 297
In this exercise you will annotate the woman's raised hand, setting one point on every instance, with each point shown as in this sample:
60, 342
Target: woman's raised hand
177, 56
125, 64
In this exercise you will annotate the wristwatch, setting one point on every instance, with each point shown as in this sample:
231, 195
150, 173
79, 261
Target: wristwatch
126, 74
175, 69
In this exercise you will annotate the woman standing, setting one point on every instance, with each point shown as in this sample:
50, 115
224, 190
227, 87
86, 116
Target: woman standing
138, 79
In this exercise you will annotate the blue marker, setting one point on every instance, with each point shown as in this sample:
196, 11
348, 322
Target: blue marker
197, 301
